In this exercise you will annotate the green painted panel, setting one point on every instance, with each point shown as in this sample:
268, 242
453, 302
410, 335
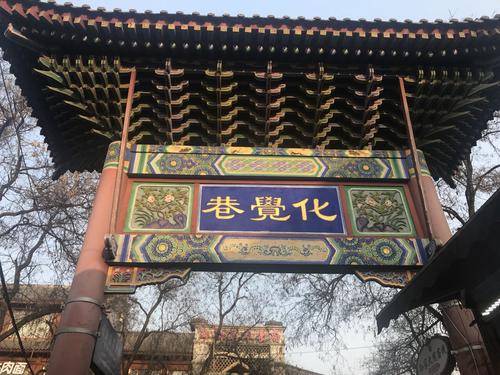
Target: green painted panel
379, 211
159, 207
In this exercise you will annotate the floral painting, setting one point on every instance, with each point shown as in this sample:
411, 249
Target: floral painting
160, 207
379, 210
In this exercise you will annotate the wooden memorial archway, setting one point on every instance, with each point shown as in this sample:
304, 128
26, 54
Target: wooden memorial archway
237, 143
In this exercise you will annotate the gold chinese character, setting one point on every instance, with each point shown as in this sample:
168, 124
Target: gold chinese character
7, 368
269, 207
317, 208
223, 207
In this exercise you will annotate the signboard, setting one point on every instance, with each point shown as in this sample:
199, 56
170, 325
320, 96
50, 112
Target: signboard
435, 357
270, 209
108, 349
266, 210
13, 368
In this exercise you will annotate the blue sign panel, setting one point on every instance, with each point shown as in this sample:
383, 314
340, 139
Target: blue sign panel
270, 208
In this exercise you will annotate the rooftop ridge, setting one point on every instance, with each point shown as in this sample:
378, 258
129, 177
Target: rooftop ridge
285, 83
133, 13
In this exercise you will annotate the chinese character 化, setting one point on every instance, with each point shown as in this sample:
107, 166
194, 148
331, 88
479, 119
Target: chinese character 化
269, 207
317, 208
223, 207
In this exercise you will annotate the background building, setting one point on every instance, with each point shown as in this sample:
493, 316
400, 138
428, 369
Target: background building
207, 348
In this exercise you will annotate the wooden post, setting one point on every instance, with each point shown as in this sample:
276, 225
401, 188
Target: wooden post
489, 332
465, 338
77, 332
123, 148
414, 156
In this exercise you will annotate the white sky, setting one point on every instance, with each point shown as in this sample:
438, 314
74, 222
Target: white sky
359, 343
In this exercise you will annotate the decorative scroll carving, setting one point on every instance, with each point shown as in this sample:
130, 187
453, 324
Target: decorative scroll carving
302, 163
125, 280
395, 279
202, 250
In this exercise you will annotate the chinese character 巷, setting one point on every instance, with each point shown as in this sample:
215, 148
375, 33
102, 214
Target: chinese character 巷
223, 207
317, 208
269, 207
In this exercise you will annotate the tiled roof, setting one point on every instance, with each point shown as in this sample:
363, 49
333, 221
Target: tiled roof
173, 345
178, 344
266, 19
78, 28
11, 344
41, 294
251, 81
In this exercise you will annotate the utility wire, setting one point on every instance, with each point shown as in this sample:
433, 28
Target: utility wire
13, 319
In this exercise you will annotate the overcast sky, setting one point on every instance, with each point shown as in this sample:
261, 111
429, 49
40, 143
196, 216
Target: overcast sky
358, 343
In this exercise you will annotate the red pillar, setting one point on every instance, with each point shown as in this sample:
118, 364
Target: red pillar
466, 340
465, 337
72, 351
77, 331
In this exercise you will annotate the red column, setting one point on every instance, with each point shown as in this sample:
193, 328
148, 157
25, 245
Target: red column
72, 352
465, 337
